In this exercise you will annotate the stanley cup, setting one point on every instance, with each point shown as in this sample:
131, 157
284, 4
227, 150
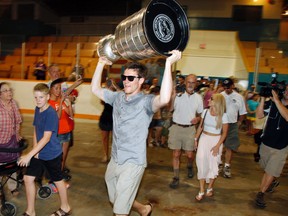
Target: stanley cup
153, 31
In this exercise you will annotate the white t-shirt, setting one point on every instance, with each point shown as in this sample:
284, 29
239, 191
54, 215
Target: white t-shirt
234, 105
210, 122
185, 108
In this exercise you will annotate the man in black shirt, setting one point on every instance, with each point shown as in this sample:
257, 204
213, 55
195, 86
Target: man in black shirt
274, 147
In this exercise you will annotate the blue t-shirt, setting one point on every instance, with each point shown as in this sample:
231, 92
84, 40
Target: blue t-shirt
252, 106
47, 121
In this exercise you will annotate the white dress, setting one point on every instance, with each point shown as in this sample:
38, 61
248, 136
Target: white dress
207, 164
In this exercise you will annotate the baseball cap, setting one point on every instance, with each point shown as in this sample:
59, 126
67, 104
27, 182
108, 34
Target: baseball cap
59, 80
227, 82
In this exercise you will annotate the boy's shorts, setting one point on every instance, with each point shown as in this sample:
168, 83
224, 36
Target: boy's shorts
64, 137
53, 167
122, 183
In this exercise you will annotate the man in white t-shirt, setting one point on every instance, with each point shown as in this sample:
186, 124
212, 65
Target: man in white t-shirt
236, 111
187, 108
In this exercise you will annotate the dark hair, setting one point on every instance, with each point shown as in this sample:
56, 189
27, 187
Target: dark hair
59, 80
3, 83
140, 68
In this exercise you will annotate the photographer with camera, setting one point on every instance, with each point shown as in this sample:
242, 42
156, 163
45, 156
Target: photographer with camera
274, 147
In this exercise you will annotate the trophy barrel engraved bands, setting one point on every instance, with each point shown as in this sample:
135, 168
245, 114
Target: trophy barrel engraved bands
152, 31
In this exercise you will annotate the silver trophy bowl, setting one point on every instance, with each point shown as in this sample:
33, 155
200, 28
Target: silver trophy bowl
153, 31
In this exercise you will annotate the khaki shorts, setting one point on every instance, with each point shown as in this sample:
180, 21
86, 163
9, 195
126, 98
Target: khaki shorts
272, 160
122, 183
181, 138
232, 140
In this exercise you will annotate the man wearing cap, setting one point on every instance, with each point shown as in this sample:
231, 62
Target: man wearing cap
235, 106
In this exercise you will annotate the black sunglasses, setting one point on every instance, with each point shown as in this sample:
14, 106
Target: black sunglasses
130, 78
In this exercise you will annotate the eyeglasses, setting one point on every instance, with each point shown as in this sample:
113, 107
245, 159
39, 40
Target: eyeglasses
7, 90
130, 78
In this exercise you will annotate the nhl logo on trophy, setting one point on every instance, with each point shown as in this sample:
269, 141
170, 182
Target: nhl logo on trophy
163, 28
155, 30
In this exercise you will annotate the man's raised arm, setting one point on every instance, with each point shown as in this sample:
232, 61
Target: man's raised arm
96, 80
166, 85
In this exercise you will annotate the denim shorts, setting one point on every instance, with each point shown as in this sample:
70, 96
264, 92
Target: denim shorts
64, 137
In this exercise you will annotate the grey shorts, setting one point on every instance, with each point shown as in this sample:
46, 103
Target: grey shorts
122, 183
232, 140
272, 160
181, 138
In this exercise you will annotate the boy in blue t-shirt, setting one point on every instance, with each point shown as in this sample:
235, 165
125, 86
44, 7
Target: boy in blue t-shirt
45, 154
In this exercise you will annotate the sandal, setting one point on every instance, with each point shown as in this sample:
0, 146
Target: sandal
60, 212
209, 192
25, 214
150, 213
199, 196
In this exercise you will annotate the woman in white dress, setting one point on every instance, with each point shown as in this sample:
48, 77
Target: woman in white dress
208, 140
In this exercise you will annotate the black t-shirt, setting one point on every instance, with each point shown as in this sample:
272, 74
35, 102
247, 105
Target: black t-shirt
276, 130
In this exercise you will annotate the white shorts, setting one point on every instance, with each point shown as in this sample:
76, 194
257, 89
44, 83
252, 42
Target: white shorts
122, 183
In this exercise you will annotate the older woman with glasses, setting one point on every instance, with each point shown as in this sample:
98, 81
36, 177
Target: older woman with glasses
10, 120
208, 140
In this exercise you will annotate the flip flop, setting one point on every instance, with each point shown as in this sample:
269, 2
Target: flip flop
25, 214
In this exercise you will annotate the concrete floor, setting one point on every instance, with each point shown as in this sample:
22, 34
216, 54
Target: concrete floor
88, 195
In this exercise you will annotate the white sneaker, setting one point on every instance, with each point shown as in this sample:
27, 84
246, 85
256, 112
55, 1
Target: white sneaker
227, 172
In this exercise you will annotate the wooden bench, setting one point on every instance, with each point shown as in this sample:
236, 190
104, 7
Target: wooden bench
90, 45
80, 39
5, 70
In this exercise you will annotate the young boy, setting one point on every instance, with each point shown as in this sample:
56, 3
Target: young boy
45, 154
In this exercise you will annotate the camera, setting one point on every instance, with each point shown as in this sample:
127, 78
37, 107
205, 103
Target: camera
279, 87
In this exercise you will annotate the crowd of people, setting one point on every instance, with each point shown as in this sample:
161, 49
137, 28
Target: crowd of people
191, 118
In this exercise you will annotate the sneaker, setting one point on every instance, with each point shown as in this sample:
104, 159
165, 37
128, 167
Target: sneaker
66, 177
227, 172
190, 173
272, 186
53, 188
157, 144
66, 170
259, 201
175, 183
